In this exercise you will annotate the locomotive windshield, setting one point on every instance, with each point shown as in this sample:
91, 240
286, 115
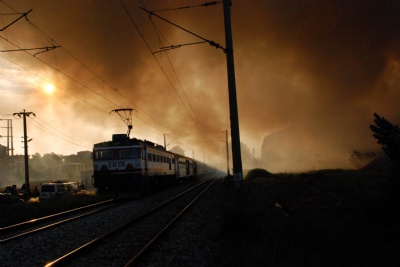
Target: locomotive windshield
113, 154
104, 154
131, 153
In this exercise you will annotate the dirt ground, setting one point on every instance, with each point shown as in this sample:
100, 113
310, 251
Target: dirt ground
322, 218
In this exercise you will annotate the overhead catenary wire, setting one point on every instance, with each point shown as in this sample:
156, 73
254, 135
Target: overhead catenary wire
45, 36
63, 73
164, 49
211, 42
17, 19
194, 116
102, 80
35, 74
159, 64
52, 131
80, 62
206, 4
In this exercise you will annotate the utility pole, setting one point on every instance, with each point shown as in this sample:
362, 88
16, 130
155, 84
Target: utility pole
25, 114
227, 153
233, 109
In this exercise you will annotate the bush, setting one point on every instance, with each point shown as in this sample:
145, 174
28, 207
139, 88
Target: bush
258, 173
388, 135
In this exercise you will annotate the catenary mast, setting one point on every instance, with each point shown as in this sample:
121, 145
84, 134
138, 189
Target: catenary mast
233, 109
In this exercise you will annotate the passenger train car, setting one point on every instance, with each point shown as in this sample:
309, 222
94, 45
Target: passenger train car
138, 166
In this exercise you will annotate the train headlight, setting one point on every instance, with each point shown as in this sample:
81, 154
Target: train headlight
129, 167
104, 168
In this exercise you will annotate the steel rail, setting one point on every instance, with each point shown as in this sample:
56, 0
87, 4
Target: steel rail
159, 234
61, 261
29, 223
2, 241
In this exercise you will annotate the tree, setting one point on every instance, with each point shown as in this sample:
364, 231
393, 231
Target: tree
388, 135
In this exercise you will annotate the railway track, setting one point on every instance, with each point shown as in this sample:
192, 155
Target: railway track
23, 229
130, 240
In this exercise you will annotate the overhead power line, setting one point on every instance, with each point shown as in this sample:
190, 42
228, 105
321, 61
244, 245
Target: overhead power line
165, 48
45, 49
211, 42
159, 64
116, 90
23, 15
186, 7
56, 133
75, 80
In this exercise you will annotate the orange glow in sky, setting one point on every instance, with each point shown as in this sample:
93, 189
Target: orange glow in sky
309, 77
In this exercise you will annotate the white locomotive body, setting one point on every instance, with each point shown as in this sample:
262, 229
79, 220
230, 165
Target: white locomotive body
130, 164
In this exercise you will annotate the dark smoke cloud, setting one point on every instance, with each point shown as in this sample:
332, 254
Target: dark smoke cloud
309, 74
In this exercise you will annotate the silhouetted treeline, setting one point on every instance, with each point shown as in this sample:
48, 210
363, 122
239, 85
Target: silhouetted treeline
388, 136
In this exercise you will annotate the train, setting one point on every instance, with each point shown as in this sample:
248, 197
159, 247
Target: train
137, 166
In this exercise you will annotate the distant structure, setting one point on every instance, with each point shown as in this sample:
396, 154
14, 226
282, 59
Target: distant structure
3, 158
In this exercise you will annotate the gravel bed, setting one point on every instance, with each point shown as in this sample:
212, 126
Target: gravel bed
195, 239
206, 235
41, 248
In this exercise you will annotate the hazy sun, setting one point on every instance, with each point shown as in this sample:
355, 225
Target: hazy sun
49, 88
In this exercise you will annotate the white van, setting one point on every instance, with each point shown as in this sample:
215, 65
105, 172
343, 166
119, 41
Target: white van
51, 190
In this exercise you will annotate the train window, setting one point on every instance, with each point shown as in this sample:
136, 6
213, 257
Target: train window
158, 158
131, 153
104, 154
154, 158
150, 156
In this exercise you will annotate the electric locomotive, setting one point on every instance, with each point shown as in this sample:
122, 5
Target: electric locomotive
136, 166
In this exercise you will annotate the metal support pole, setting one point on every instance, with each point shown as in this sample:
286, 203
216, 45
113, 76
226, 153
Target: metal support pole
24, 115
227, 153
28, 189
233, 109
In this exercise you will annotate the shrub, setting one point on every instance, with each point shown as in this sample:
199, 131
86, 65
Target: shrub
388, 135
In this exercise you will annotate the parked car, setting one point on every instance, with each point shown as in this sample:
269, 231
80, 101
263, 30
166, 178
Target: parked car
51, 190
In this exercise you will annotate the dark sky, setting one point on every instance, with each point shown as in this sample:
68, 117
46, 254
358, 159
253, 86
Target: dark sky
309, 74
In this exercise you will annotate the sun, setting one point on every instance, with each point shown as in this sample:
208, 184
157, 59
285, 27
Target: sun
49, 88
